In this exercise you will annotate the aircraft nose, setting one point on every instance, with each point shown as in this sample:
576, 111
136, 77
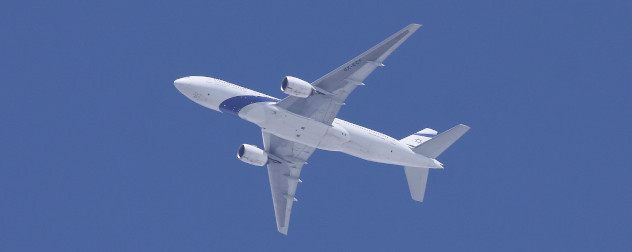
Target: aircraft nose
180, 83
183, 85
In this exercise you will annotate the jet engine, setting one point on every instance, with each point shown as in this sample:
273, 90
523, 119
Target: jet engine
296, 87
252, 155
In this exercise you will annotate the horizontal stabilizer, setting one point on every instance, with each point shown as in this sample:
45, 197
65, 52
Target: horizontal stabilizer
435, 146
417, 178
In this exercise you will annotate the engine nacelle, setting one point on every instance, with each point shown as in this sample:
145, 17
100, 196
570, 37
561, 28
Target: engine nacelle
252, 155
296, 87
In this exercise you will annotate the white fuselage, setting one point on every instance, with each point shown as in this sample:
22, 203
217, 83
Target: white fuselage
261, 110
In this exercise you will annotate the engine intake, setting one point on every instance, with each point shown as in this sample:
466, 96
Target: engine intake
296, 87
250, 154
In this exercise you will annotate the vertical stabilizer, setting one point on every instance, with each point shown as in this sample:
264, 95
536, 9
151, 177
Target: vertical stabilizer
417, 178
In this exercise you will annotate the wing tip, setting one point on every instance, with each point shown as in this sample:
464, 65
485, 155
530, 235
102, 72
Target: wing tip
465, 127
283, 230
413, 26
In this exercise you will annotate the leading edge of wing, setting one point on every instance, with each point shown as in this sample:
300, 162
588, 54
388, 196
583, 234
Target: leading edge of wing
376, 55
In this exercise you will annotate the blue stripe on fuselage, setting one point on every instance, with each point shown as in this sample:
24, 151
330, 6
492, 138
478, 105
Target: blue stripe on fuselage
426, 135
234, 104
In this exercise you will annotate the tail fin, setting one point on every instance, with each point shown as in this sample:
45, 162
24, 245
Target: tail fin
437, 145
418, 138
416, 178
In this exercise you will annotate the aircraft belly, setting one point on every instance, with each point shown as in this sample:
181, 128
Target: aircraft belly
255, 113
344, 137
375, 147
335, 138
292, 127
362, 145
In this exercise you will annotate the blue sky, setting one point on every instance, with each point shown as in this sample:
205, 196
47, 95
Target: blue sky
99, 151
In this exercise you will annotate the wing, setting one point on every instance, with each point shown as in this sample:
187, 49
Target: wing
338, 84
284, 168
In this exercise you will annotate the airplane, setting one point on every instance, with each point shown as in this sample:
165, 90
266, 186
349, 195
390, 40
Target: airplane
294, 127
